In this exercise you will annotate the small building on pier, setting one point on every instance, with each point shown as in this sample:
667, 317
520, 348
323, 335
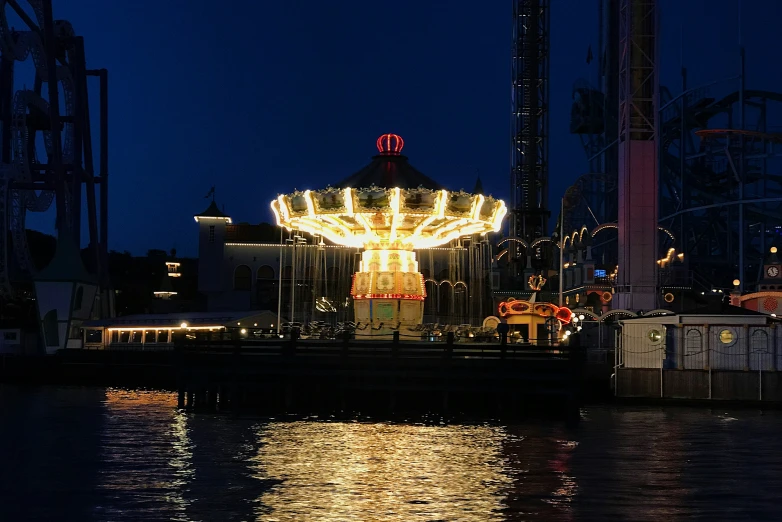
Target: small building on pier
157, 331
732, 355
735, 340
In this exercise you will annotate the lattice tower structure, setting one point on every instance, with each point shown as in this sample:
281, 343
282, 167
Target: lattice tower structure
530, 119
31, 179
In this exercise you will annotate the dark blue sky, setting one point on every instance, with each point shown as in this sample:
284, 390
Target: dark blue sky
261, 97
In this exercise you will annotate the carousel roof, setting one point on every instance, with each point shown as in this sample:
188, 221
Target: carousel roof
389, 203
389, 169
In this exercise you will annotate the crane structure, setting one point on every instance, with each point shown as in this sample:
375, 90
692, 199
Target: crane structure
530, 120
54, 113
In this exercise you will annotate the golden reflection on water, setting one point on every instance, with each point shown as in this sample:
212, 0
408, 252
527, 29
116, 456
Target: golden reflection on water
360, 471
148, 434
178, 465
123, 455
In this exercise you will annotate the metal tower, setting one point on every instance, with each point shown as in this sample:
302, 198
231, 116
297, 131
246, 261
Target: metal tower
637, 182
529, 123
57, 108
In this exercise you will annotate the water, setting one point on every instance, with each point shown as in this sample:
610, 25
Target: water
93, 454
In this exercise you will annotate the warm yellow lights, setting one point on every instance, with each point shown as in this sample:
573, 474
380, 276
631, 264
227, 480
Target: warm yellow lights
226, 219
668, 259
172, 263
389, 218
163, 328
310, 204
774, 250
736, 282
388, 261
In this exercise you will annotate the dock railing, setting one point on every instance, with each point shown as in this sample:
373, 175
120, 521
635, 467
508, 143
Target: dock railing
347, 346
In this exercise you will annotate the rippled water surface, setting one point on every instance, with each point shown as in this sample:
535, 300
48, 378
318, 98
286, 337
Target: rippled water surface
92, 454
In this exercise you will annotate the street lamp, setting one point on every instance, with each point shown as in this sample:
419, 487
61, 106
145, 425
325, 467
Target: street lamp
561, 250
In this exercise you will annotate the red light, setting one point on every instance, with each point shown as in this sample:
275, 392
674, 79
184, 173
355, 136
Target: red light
408, 297
516, 307
390, 144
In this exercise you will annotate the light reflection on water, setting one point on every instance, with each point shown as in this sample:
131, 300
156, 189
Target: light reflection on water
130, 455
360, 471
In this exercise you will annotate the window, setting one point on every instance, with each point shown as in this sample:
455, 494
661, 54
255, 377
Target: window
149, 336
212, 234
266, 272
759, 342
243, 278
135, 337
9, 336
693, 342
95, 336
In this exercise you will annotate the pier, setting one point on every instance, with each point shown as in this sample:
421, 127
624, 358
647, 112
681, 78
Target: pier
390, 376
304, 376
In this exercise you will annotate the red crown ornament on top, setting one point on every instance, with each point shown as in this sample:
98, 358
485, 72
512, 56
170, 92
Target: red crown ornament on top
390, 144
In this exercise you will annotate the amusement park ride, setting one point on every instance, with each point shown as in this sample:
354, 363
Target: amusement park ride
46, 157
636, 21
717, 163
680, 191
681, 195
389, 210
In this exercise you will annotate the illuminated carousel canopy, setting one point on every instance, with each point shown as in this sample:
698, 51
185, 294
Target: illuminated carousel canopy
389, 204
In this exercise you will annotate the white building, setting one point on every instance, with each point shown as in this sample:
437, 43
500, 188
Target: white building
736, 340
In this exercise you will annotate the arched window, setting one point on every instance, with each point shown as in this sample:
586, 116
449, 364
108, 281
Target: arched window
266, 272
759, 342
243, 278
431, 302
78, 299
693, 342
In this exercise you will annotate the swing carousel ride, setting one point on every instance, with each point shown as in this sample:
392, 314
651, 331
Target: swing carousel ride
389, 210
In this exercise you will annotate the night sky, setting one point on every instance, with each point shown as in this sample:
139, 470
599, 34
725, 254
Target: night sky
273, 96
